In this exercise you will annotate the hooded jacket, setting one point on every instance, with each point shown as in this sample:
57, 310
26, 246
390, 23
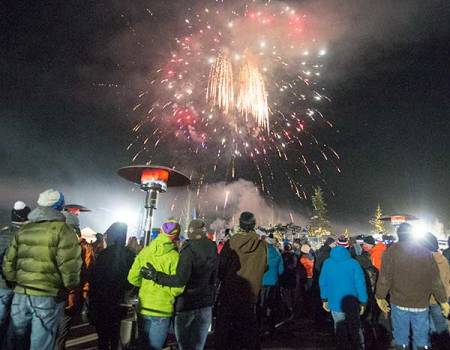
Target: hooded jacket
6, 235
289, 278
444, 273
197, 272
44, 256
276, 266
109, 282
242, 264
409, 275
376, 254
341, 277
155, 299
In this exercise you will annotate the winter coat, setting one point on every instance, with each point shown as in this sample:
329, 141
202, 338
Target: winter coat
370, 272
444, 273
109, 284
77, 296
6, 235
376, 254
197, 272
242, 264
308, 265
44, 256
322, 255
275, 265
446, 253
342, 277
409, 275
154, 299
289, 278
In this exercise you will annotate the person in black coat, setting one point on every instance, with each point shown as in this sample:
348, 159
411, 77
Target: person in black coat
109, 285
197, 272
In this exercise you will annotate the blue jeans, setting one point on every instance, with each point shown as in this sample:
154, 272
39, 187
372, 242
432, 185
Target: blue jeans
6, 296
154, 331
419, 323
438, 323
191, 328
41, 315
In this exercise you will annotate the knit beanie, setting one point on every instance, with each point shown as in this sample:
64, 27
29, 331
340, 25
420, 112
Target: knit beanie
51, 198
247, 221
171, 228
116, 234
430, 242
196, 229
342, 241
19, 213
330, 240
369, 240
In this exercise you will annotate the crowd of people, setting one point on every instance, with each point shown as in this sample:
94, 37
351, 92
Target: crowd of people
374, 293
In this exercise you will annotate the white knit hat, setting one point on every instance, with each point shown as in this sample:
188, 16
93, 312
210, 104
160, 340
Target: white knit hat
51, 198
19, 205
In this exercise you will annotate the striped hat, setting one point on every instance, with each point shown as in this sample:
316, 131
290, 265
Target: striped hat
342, 241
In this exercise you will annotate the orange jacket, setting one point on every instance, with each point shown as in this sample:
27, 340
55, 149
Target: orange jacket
308, 264
76, 297
376, 254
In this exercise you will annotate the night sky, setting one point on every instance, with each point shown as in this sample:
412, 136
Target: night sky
70, 72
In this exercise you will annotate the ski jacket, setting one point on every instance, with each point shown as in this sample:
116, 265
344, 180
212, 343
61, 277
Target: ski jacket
197, 272
44, 256
342, 277
276, 266
155, 299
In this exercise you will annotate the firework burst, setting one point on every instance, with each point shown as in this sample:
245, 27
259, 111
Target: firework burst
238, 97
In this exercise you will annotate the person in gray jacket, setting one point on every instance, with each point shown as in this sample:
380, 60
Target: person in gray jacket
19, 217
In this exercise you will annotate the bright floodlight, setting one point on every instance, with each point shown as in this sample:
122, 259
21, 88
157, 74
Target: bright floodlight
419, 228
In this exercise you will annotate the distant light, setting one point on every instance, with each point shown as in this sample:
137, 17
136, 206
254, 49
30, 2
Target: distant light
262, 44
230, 24
322, 52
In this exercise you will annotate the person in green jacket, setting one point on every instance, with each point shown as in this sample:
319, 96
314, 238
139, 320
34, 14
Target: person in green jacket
43, 261
156, 302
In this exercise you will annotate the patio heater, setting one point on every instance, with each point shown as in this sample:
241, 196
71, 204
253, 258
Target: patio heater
153, 180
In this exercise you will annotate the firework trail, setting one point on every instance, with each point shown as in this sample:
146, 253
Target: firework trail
220, 90
238, 96
252, 99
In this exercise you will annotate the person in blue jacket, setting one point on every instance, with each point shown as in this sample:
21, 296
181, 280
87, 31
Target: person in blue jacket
344, 294
269, 292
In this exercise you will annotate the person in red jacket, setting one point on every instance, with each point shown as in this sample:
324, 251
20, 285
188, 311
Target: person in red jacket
375, 250
306, 276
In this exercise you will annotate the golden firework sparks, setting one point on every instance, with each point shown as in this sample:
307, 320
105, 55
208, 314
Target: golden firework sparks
220, 83
252, 98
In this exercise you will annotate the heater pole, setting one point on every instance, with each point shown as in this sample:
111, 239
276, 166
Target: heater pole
151, 200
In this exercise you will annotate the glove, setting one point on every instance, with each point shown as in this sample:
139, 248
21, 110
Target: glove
325, 306
383, 305
445, 308
148, 272
362, 308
